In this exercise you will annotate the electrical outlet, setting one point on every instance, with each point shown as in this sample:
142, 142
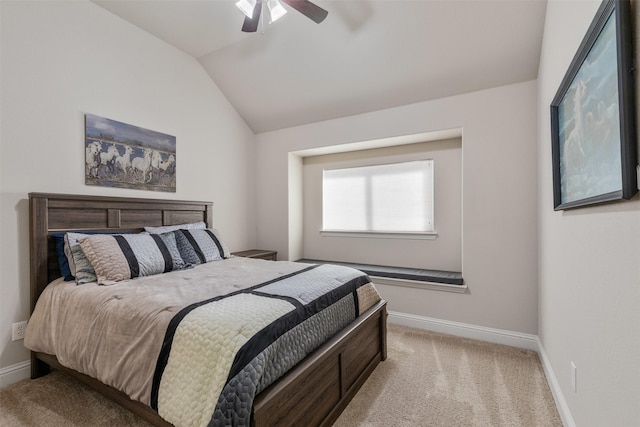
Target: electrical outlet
18, 331
574, 377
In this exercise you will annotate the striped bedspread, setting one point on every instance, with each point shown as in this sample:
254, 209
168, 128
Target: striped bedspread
204, 361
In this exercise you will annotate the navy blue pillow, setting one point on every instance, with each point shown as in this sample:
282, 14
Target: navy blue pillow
63, 263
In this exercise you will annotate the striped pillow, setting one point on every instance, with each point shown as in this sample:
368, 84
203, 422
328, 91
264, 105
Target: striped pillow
200, 246
120, 257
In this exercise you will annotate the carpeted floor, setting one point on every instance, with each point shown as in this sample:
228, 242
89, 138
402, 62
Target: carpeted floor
432, 379
428, 379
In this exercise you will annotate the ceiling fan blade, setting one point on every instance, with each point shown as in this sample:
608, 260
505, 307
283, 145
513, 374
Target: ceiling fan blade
251, 24
308, 9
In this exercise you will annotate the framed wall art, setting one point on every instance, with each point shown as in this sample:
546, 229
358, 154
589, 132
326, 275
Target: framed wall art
126, 156
593, 124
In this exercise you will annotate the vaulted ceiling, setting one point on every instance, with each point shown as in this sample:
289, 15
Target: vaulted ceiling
367, 55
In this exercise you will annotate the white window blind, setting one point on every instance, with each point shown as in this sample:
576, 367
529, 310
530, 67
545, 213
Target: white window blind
382, 198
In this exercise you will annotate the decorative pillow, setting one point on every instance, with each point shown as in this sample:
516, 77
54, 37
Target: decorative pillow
120, 257
166, 228
63, 262
200, 246
79, 265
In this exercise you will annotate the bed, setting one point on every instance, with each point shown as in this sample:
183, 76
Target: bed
313, 392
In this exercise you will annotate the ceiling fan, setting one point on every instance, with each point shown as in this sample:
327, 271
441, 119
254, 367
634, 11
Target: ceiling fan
253, 9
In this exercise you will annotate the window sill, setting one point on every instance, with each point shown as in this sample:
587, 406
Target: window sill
433, 286
380, 234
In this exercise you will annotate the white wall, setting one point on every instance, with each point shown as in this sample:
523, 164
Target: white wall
62, 59
589, 262
499, 226
443, 253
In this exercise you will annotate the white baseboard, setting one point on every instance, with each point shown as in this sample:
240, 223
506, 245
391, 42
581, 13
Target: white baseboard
552, 380
465, 330
14, 373
498, 336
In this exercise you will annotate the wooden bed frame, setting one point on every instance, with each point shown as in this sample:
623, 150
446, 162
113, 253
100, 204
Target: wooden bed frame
313, 393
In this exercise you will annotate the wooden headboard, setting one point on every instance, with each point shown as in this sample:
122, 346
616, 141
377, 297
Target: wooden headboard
59, 213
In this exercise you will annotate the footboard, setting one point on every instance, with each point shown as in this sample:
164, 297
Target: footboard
318, 389
313, 394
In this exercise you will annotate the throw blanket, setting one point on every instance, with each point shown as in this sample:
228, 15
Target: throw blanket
200, 359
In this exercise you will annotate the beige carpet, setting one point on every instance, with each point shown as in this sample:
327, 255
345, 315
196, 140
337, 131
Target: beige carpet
432, 379
428, 379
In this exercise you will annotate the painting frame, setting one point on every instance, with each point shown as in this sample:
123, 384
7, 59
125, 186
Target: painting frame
594, 153
120, 155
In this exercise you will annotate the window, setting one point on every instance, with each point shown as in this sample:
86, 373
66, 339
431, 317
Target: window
382, 198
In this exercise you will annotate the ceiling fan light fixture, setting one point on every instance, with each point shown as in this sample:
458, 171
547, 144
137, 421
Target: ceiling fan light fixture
276, 11
253, 10
247, 6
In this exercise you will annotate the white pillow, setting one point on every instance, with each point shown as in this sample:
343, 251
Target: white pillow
166, 228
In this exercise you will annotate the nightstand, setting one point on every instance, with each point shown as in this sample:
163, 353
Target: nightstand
258, 253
